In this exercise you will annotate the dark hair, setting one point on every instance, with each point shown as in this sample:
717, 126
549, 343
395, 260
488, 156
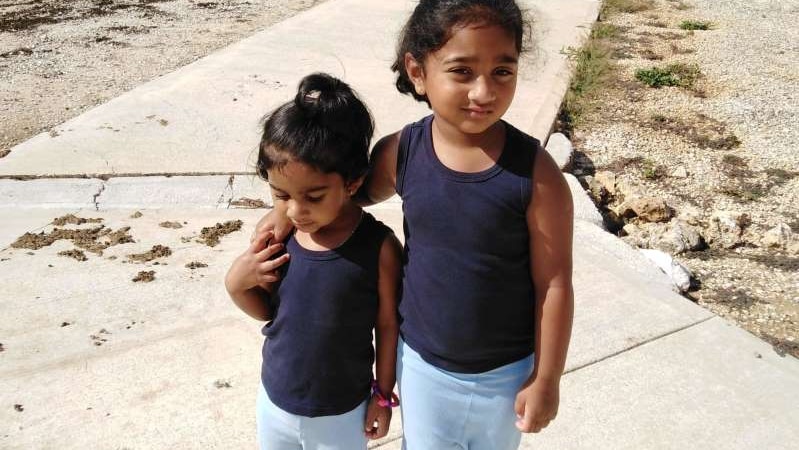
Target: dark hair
326, 126
433, 23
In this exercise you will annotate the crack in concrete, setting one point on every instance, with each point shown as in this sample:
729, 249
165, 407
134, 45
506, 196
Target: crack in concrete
97, 195
652, 339
228, 187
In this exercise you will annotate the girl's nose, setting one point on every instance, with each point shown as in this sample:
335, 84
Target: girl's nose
482, 91
294, 209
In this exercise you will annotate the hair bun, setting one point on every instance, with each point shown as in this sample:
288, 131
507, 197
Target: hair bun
320, 94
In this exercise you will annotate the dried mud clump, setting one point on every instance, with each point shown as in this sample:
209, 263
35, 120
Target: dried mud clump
73, 220
94, 239
136, 215
158, 251
196, 265
174, 225
145, 276
248, 203
210, 235
74, 254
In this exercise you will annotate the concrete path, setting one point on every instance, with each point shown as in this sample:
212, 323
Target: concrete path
92, 359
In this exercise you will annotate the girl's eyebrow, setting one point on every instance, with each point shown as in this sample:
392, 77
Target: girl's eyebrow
307, 191
503, 59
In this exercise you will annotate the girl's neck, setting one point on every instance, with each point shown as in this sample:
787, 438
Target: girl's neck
334, 234
465, 152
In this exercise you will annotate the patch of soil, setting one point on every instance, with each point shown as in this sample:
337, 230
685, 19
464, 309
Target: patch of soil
73, 220
158, 251
248, 203
174, 225
136, 215
145, 276
2, 349
74, 254
196, 265
94, 239
18, 408
210, 235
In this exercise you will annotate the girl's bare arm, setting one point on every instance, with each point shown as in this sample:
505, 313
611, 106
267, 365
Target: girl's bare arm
381, 181
386, 336
550, 218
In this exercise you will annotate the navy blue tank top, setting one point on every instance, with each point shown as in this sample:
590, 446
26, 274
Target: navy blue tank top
318, 354
467, 302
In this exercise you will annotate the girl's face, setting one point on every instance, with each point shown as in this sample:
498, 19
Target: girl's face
470, 81
311, 199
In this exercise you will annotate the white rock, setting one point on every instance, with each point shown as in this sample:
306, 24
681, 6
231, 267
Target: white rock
607, 180
727, 228
779, 236
679, 274
679, 172
560, 148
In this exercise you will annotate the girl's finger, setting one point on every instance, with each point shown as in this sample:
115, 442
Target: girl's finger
272, 265
269, 251
260, 241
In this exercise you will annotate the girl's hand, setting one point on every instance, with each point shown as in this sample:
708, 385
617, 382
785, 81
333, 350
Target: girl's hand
254, 267
537, 405
275, 221
378, 418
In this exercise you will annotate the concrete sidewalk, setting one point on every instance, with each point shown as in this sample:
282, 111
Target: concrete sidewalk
91, 359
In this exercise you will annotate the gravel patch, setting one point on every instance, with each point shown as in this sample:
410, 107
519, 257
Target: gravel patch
59, 58
725, 143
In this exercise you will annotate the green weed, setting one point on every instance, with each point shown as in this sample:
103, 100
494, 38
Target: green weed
695, 25
681, 75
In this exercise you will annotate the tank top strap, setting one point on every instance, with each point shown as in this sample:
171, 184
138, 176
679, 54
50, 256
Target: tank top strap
404, 150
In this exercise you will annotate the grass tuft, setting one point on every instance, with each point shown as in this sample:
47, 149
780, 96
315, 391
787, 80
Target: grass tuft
693, 25
681, 75
592, 69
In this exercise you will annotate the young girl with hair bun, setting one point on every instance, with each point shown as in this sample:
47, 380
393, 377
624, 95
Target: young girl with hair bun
325, 289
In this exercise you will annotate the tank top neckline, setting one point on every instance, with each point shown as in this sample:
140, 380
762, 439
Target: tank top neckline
332, 253
467, 177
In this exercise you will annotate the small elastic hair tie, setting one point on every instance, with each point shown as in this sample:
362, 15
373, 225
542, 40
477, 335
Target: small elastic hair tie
383, 401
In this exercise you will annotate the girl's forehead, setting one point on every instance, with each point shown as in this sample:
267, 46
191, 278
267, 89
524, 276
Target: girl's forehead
300, 177
479, 40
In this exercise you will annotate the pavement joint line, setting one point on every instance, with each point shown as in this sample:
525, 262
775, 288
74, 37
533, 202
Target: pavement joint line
652, 339
108, 176
390, 440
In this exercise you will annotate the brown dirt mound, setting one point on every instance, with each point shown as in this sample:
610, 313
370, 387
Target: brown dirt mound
158, 251
174, 225
196, 265
94, 239
73, 220
145, 276
74, 254
210, 235
248, 203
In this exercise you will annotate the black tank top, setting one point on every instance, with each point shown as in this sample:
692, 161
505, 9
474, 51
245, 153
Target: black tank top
318, 354
468, 300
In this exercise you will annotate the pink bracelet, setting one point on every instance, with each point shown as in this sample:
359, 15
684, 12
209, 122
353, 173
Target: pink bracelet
382, 400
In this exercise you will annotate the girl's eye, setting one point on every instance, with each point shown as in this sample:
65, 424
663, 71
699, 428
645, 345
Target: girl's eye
315, 199
503, 72
281, 197
460, 70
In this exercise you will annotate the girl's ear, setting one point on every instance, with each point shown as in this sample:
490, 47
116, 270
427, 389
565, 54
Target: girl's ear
353, 186
415, 72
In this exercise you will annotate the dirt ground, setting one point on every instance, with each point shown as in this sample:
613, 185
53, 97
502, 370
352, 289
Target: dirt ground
59, 58
715, 138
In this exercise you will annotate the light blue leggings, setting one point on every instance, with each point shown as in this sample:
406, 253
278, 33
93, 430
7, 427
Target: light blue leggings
444, 410
279, 430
